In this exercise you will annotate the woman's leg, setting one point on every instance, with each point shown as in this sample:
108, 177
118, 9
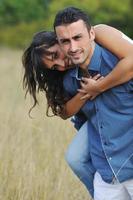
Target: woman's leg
78, 158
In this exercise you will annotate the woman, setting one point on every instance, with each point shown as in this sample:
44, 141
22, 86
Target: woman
45, 43
45, 66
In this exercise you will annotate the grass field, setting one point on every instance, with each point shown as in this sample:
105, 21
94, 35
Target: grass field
32, 165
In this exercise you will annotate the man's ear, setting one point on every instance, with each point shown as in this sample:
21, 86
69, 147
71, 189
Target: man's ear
92, 34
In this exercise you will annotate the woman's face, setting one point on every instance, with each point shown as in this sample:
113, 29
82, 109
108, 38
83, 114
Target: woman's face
56, 60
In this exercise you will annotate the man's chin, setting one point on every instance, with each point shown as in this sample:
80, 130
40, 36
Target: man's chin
77, 60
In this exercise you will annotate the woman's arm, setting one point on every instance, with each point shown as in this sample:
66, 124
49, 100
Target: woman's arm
74, 105
120, 45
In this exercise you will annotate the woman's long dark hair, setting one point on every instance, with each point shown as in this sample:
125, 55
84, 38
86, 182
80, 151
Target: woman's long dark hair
38, 78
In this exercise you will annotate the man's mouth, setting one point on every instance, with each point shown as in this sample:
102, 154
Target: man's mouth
75, 55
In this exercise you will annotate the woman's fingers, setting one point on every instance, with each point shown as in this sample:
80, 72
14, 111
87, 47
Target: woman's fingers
81, 91
82, 84
85, 80
96, 77
102, 77
86, 96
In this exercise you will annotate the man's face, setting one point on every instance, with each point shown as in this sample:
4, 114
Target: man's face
76, 42
56, 60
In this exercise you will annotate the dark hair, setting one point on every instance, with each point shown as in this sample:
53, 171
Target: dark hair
38, 78
70, 15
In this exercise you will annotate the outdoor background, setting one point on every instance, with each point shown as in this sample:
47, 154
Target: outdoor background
32, 165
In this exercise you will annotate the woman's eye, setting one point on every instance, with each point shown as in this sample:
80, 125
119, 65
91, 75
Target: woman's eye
54, 67
55, 55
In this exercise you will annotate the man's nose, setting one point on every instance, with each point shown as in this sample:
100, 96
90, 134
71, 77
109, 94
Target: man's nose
73, 47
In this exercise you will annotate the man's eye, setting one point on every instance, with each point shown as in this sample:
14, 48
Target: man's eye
77, 37
64, 41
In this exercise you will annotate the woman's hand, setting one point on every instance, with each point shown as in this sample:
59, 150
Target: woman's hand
89, 87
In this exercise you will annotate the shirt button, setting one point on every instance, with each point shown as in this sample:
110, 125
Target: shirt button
110, 158
105, 143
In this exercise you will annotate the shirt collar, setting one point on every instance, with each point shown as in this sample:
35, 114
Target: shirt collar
94, 64
96, 59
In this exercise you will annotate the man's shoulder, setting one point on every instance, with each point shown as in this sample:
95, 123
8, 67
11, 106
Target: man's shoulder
108, 58
103, 50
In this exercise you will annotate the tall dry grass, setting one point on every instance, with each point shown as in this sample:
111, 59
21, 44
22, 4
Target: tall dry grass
32, 165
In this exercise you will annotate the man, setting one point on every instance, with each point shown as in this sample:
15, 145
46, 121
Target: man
43, 60
110, 115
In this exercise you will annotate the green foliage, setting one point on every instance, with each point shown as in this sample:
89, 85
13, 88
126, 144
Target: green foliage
21, 34
20, 19
14, 11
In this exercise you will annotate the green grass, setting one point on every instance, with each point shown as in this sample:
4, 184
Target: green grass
32, 165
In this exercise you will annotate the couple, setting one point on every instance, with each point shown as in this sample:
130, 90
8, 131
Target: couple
69, 65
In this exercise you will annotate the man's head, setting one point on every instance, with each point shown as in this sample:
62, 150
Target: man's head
75, 35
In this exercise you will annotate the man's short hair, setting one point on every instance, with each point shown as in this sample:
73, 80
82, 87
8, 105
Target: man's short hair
70, 15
